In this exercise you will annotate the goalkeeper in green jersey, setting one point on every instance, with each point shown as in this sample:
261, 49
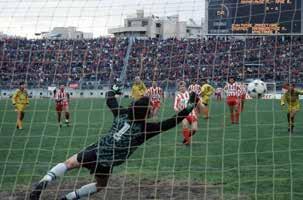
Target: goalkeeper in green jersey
128, 132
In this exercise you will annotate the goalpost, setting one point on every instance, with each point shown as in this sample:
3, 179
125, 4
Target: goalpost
88, 44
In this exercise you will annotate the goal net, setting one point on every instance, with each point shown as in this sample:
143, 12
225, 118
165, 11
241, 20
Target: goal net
88, 46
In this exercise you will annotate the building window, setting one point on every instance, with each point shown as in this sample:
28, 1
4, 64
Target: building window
129, 24
158, 25
144, 23
187, 31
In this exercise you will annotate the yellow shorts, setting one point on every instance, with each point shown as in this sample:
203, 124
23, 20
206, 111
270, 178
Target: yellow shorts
205, 100
293, 107
20, 107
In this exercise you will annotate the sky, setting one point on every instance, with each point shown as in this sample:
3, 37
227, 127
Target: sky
27, 17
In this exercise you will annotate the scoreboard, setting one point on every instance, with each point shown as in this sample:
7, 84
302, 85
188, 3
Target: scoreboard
254, 16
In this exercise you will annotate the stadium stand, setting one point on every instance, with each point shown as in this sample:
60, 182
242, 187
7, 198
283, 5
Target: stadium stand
93, 63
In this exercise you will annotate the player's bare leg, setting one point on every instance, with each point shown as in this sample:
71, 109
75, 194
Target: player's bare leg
205, 112
156, 113
59, 118
242, 105
237, 112
203, 108
56, 172
19, 121
291, 120
194, 128
22, 116
186, 131
66, 116
219, 98
231, 111
200, 107
232, 114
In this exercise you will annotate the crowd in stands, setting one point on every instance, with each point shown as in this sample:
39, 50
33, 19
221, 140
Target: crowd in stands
42, 63
273, 59
93, 63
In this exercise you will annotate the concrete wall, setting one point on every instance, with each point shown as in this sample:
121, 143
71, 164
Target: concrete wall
170, 27
173, 29
69, 33
181, 30
205, 23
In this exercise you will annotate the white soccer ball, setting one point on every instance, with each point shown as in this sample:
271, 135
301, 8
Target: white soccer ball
256, 88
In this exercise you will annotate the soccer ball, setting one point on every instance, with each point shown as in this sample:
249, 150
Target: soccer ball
256, 88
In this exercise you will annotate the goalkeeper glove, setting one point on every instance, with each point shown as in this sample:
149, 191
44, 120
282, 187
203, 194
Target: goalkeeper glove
118, 82
193, 100
116, 89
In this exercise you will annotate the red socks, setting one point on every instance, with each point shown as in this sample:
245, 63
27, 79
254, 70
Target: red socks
237, 114
235, 117
186, 135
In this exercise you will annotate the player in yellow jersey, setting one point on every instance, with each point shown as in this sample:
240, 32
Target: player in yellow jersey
20, 101
138, 89
206, 92
291, 98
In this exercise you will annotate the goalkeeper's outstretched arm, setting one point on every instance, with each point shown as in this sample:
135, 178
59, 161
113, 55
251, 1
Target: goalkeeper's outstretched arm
112, 102
153, 129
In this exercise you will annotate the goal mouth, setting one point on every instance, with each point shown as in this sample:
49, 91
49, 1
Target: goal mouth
225, 149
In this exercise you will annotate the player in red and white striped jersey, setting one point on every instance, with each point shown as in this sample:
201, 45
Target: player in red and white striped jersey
218, 93
242, 95
194, 87
181, 100
156, 94
232, 90
62, 104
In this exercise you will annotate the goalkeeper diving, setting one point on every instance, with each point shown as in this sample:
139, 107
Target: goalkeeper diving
129, 130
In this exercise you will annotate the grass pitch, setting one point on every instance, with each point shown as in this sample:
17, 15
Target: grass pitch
257, 158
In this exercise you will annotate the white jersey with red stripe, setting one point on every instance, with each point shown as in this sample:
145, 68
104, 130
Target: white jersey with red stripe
232, 90
181, 101
196, 88
155, 93
61, 97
